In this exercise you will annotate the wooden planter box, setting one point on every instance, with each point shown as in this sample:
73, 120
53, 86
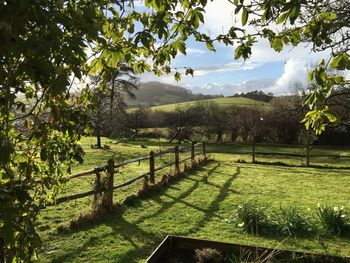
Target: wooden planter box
182, 249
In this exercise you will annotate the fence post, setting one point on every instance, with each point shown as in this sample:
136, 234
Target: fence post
151, 167
109, 187
203, 148
177, 160
192, 151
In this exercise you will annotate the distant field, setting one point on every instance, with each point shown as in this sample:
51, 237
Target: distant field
222, 102
196, 208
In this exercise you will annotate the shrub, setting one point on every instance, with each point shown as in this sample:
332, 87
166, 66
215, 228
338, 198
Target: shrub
332, 219
292, 223
106, 147
251, 217
208, 255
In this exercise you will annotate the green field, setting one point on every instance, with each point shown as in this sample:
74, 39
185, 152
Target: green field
195, 208
222, 102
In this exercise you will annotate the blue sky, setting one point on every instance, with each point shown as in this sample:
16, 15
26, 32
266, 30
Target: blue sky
218, 72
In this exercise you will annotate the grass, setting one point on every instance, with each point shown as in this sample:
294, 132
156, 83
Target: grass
222, 102
194, 207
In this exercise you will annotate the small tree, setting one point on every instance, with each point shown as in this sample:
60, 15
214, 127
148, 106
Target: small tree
252, 128
138, 119
108, 100
216, 121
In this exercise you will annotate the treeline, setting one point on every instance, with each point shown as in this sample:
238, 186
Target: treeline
256, 95
209, 122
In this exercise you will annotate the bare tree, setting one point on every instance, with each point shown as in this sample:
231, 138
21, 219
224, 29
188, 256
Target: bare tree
108, 99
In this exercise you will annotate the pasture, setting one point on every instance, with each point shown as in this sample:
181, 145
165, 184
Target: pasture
223, 103
202, 204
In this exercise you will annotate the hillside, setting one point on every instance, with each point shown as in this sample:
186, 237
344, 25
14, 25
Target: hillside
157, 93
222, 102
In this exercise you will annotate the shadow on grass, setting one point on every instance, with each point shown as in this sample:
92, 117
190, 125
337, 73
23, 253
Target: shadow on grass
132, 231
119, 227
302, 166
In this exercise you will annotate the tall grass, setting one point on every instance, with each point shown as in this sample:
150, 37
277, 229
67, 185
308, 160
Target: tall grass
332, 219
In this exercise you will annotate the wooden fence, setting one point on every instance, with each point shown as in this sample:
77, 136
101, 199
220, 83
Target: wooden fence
108, 186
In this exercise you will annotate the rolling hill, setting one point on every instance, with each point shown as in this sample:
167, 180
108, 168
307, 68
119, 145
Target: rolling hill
157, 93
222, 102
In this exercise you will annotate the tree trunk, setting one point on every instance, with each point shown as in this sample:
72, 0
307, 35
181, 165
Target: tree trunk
233, 136
253, 151
307, 155
176, 134
219, 136
98, 137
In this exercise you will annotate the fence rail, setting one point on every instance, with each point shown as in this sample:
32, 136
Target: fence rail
110, 170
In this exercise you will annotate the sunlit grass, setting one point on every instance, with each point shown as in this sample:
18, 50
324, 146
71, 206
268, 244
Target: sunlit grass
221, 102
193, 207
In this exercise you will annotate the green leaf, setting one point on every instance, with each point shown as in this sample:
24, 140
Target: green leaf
244, 16
294, 13
277, 44
282, 18
177, 76
336, 60
210, 46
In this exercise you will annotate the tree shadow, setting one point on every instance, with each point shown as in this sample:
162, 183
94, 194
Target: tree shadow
129, 232
134, 234
304, 166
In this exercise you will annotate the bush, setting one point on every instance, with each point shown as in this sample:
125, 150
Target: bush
251, 217
332, 219
106, 147
292, 223
208, 255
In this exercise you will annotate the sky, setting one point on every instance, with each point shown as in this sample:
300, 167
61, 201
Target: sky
219, 73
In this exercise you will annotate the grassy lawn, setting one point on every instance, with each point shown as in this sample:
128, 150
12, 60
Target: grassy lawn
222, 102
195, 208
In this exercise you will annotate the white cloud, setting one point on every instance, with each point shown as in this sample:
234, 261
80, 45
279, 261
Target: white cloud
220, 17
213, 88
295, 70
233, 66
195, 51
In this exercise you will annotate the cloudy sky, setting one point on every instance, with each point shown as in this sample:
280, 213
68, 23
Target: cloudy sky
219, 73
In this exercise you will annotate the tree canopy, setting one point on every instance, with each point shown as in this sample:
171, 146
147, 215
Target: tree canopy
49, 45
46, 47
321, 24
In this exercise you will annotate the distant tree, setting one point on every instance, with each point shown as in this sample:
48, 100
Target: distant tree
251, 122
108, 100
182, 121
138, 119
216, 120
322, 24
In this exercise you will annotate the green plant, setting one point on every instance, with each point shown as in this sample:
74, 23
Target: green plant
291, 222
205, 178
106, 147
208, 255
332, 219
251, 217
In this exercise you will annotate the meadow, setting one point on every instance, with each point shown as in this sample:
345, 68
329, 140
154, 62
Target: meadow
223, 103
202, 203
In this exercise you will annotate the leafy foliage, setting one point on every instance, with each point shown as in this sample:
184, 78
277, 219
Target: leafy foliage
292, 222
251, 217
321, 23
332, 219
48, 47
